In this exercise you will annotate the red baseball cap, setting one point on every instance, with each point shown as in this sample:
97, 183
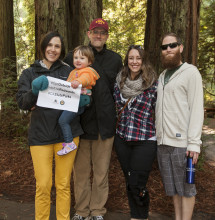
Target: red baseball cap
99, 22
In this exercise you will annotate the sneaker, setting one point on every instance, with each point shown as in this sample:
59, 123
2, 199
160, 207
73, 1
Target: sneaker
99, 217
67, 147
79, 217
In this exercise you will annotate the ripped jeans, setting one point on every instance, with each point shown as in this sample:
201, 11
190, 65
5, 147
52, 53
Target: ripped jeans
136, 159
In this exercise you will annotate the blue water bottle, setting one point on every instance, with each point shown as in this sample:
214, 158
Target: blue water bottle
190, 171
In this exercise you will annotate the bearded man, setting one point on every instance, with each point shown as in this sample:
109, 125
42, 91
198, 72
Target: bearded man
179, 120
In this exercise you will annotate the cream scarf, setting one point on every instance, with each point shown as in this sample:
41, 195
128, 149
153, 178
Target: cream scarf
131, 88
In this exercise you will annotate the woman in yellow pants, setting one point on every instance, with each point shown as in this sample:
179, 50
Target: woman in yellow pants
44, 136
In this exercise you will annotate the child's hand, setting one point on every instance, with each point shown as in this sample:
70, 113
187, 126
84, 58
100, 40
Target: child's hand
75, 84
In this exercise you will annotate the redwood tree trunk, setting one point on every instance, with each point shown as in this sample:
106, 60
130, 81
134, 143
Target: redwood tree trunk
180, 17
71, 18
8, 75
50, 15
81, 13
7, 42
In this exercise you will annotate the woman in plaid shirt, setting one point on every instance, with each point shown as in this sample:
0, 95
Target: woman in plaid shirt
135, 94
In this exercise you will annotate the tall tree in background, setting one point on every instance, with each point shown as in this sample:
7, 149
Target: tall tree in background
7, 42
49, 16
180, 17
71, 18
81, 13
7, 64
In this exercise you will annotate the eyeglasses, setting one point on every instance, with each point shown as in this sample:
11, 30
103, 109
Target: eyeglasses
102, 33
171, 45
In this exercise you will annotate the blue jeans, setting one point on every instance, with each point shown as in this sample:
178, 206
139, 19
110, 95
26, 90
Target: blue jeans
65, 121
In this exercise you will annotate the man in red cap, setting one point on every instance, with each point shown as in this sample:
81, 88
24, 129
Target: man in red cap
98, 33
98, 122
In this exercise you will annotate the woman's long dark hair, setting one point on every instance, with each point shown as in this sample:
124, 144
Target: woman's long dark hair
147, 72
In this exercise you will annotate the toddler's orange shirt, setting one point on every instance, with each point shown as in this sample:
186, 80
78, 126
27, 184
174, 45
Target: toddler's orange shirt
86, 76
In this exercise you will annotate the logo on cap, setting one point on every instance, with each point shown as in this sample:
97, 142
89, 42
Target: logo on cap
100, 22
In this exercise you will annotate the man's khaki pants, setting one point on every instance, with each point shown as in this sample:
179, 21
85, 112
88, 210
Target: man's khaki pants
91, 198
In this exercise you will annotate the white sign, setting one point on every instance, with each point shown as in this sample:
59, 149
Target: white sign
59, 95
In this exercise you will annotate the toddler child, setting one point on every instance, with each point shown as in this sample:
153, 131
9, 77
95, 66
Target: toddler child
83, 57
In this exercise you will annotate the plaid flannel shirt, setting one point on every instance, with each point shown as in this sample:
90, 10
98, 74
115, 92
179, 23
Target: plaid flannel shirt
136, 122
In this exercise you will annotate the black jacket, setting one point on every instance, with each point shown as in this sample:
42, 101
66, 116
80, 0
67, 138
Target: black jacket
44, 128
100, 117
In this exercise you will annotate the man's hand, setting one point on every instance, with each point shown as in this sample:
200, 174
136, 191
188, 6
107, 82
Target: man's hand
75, 84
194, 155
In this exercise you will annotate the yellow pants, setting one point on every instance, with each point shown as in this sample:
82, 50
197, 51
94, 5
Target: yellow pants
42, 157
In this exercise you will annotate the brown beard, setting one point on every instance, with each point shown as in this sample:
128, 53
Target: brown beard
171, 62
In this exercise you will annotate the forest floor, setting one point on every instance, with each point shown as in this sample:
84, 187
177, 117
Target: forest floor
17, 181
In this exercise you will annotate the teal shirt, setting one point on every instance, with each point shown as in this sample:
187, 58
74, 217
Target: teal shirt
169, 73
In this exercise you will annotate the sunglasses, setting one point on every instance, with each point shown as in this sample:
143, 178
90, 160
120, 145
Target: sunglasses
171, 45
135, 47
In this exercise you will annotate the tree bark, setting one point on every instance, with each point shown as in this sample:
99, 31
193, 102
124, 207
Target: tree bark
8, 75
180, 17
49, 16
7, 42
81, 13
192, 32
71, 18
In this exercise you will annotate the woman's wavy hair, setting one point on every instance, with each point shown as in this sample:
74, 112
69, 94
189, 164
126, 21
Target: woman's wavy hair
147, 71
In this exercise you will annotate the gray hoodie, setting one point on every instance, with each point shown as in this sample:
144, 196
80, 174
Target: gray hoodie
179, 109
